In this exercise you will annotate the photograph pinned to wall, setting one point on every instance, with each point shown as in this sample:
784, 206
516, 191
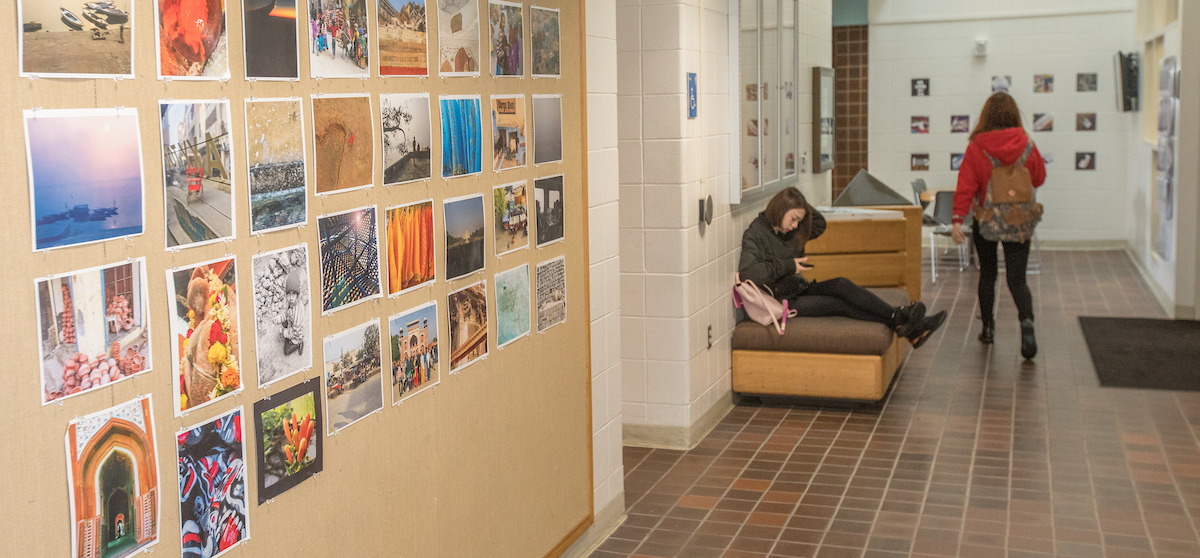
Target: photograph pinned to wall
506, 37
956, 160
512, 305
278, 175
349, 249
407, 134
547, 129
197, 161
339, 42
414, 340
1043, 122
213, 507
403, 38
282, 298
549, 209
464, 220
205, 340
751, 91
287, 428
1085, 122
85, 176
462, 135
1086, 82
545, 48
112, 464
1163, 217
1085, 160
458, 38
410, 246
193, 40
49, 46
1166, 115
1165, 156
467, 308
919, 161
343, 141
93, 328
920, 124
920, 87
551, 293
508, 132
270, 30
1001, 84
353, 375
960, 124
1043, 83
510, 217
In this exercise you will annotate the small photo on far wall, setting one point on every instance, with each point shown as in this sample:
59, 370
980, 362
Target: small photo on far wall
1001, 84
1085, 160
1043, 83
956, 160
920, 87
1043, 122
920, 124
919, 161
1086, 82
960, 124
1085, 122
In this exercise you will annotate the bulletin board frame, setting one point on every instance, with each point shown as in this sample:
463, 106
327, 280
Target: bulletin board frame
494, 460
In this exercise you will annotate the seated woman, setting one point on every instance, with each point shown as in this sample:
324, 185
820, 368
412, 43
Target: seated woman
773, 257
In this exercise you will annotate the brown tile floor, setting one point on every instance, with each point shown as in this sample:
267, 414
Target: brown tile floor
974, 453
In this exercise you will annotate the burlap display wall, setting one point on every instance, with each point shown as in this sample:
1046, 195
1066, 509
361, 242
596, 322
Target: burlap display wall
493, 461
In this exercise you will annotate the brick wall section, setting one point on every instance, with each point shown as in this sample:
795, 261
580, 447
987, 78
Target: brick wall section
850, 110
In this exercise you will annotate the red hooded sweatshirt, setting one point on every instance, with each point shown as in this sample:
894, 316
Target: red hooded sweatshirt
1005, 145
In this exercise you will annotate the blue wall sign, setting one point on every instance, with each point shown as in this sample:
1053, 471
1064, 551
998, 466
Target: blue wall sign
693, 97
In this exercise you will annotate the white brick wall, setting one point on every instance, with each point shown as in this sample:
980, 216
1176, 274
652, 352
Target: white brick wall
604, 269
909, 39
675, 275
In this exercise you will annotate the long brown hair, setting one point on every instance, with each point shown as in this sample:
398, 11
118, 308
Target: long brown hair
786, 200
999, 112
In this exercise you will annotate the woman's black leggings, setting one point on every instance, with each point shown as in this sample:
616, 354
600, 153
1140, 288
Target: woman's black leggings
1016, 258
840, 297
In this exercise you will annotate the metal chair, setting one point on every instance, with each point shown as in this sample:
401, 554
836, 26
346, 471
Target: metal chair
919, 187
943, 214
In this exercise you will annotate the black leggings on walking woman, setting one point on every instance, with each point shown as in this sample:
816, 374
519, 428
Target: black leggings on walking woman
840, 297
1016, 258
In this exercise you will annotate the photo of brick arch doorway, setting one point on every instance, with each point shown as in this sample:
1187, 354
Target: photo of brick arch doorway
349, 247
114, 493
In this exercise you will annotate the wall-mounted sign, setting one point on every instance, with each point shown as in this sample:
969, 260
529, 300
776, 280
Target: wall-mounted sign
693, 97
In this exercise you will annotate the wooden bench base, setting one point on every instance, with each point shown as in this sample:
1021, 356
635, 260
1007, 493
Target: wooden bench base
858, 377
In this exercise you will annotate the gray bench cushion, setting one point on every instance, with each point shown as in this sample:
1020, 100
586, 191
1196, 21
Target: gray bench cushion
822, 335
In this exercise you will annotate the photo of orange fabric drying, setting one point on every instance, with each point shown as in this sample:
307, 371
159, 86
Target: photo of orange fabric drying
410, 260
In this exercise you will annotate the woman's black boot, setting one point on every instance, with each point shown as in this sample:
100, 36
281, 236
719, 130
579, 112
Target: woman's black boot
906, 320
928, 326
1028, 341
988, 335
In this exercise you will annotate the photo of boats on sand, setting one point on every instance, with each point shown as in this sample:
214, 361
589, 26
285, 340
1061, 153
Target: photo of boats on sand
89, 39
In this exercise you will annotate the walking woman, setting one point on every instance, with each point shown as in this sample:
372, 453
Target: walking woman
773, 257
1002, 203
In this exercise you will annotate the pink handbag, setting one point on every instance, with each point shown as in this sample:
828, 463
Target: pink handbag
762, 307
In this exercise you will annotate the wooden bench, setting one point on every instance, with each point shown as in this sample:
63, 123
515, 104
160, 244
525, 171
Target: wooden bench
838, 357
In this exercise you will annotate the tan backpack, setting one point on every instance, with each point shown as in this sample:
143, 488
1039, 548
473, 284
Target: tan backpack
1010, 210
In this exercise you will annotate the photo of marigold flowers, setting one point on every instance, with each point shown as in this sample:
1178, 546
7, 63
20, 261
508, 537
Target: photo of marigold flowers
204, 327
